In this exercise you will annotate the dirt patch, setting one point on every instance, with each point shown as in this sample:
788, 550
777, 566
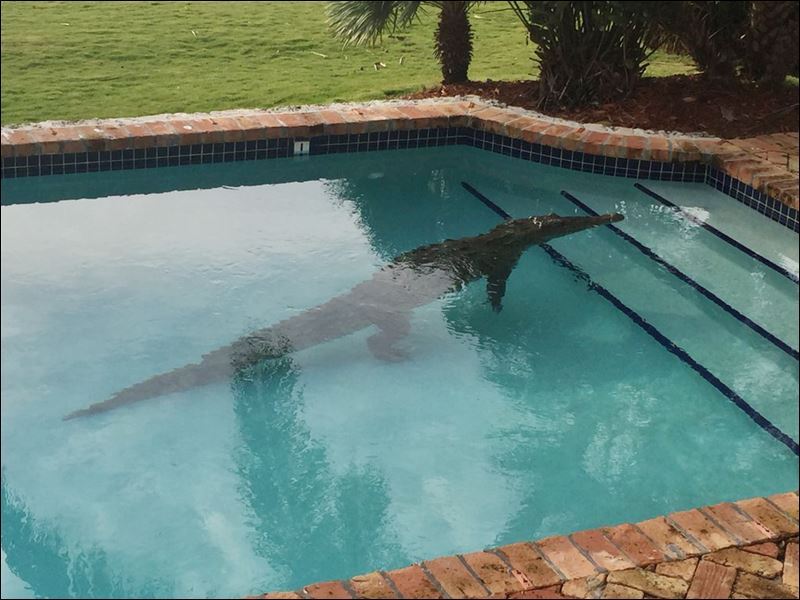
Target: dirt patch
684, 103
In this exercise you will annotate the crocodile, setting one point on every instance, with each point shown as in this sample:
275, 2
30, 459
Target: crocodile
412, 279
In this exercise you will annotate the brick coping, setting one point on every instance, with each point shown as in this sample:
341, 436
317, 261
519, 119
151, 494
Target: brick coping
749, 168
346, 106
744, 549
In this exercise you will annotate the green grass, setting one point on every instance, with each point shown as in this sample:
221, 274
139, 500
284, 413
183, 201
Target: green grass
75, 60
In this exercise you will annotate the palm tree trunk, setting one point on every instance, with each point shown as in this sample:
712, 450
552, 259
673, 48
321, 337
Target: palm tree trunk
772, 46
454, 41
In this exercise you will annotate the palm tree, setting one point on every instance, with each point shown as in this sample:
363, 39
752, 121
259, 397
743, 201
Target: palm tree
710, 32
359, 22
772, 41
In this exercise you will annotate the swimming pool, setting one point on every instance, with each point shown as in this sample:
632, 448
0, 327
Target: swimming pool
560, 412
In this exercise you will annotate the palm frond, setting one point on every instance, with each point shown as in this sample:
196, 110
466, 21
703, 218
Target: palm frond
362, 22
408, 12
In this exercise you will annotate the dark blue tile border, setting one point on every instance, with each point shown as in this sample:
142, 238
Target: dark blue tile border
141, 158
265, 149
588, 163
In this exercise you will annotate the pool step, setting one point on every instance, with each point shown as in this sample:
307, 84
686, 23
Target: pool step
699, 319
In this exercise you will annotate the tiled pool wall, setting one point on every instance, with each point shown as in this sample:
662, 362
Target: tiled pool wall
120, 145
755, 199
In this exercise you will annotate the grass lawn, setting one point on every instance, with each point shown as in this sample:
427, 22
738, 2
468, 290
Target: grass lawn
75, 60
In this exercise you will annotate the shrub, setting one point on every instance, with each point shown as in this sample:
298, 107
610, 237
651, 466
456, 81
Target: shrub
587, 51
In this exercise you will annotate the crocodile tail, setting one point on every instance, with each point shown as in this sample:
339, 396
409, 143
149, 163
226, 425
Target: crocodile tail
178, 380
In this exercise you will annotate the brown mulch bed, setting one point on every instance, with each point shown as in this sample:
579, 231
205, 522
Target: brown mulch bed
683, 103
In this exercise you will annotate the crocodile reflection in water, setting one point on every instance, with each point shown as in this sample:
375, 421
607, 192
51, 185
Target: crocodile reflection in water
411, 280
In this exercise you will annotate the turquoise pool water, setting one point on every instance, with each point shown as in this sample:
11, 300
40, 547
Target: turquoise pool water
557, 414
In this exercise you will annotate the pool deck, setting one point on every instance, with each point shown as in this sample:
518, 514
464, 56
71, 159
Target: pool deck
745, 549
766, 163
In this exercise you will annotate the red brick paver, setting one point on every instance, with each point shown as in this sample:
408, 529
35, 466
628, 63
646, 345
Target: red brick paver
454, 578
412, 582
769, 516
712, 581
603, 553
329, 589
372, 585
566, 557
791, 566
765, 549
789, 503
634, 544
682, 568
494, 574
738, 523
668, 539
702, 529
530, 564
